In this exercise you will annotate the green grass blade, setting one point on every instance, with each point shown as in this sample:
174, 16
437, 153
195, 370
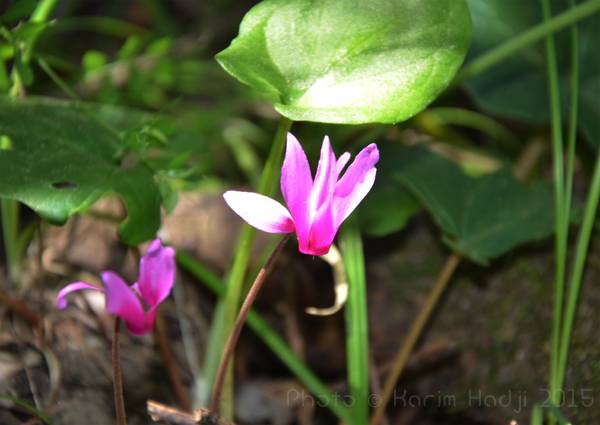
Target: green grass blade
555, 413
28, 407
537, 415
581, 251
571, 142
357, 332
573, 113
272, 340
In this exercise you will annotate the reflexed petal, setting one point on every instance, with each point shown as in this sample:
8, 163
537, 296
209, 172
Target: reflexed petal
260, 211
325, 178
157, 273
341, 163
296, 184
121, 301
344, 205
61, 298
362, 164
355, 183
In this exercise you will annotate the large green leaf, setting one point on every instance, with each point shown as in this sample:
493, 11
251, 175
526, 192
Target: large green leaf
58, 160
481, 218
347, 61
517, 87
388, 207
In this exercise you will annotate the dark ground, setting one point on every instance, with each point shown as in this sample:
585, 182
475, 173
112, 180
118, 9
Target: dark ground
483, 359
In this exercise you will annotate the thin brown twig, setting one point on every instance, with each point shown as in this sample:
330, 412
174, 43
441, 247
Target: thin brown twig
375, 381
239, 324
172, 416
20, 309
118, 376
413, 336
170, 364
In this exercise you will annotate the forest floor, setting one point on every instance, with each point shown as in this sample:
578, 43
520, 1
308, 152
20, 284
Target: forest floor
483, 359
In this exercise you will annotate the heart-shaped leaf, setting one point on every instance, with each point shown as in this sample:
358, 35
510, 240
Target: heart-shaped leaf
345, 61
58, 160
481, 218
517, 87
387, 209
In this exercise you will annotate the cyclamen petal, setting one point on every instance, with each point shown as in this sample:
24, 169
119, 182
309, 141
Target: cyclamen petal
61, 298
260, 211
157, 273
324, 179
121, 301
322, 232
296, 185
355, 174
316, 209
341, 163
343, 206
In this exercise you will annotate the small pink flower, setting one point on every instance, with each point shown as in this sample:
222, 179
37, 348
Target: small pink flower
157, 275
315, 209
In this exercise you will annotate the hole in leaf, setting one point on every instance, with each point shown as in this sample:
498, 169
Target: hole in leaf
64, 185
6, 143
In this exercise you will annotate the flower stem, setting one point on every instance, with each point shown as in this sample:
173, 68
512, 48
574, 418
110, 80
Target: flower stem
239, 324
118, 376
228, 306
170, 363
413, 336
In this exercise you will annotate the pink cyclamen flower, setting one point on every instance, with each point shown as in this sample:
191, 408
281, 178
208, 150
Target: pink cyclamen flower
316, 209
157, 275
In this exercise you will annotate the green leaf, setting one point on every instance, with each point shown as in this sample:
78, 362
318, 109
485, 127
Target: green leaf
388, 207
60, 160
481, 218
18, 10
517, 87
343, 61
24, 70
94, 60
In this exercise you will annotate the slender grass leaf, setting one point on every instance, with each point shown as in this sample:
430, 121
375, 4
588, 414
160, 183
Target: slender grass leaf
357, 329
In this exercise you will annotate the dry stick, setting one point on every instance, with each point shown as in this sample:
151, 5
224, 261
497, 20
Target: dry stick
163, 413
20, 309
414, 334
170, 364
118, 376
526, 161
239, 324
